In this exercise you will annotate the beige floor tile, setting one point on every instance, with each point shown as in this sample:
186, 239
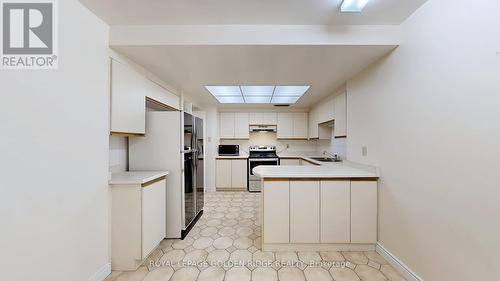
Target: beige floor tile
373, 264
208, 231
260, 256
213, 222
196, 256
137, 275
152, 258
264, 274
374, 256
212, 274
355, 257
317, 274
166, 243
309, 257
332, 256
160, 274
343, 274
238, 274
368, 273
243, 243
186, 274
243, 256
202, 243
182, 244
218, 256
391, 273
291, 274
113, 276
244, 231
223, 242
227, 231
287, 256
173, 256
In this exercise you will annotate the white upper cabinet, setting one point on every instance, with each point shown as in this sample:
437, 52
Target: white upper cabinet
292, 125
340, 129
326, 110
285, 126
300, 130
263, 118
241, 126
128, 102
313, 124
234, 125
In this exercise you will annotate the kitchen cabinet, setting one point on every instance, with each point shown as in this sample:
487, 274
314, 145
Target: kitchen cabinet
128, 102
304, 212
364, 212
226, 125
263, 118
289, 162
231, 174
241, 126
234, 125
335, 211
292, 125
239, 173
326, 110
138, 222
276, 219
340, 129
313, 124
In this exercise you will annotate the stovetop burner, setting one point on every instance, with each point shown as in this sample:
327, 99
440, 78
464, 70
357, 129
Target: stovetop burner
262, 151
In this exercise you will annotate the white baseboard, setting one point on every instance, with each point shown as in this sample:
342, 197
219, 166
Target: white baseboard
102, 273
402, 268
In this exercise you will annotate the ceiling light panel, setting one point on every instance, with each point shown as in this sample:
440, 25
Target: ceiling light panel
224, 91
284, 100
253, 91
353, 6
234, 99
258, 99
290, 91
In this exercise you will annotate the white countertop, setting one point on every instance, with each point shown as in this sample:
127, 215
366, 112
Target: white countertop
330, 170
136, 177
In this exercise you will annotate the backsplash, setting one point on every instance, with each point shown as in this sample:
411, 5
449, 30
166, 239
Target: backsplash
260, 138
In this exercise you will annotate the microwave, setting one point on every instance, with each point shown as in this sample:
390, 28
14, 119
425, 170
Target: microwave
229, 150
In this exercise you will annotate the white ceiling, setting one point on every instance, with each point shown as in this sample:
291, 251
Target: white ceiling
212, 12
190, 68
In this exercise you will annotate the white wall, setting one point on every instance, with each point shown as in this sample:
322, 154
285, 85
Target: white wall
429, 116
54, 163
118, 153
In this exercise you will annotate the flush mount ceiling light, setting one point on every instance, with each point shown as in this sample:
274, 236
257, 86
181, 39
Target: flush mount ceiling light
353, 6
258, 94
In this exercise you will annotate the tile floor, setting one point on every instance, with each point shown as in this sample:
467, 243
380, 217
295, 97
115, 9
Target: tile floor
228, 234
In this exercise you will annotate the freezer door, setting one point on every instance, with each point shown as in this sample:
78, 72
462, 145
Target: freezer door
189, 170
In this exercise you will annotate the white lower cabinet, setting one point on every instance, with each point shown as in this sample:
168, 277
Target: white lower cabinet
231, 174
290, 162
276, 206
138, 222
335, 211
364, 212
304, 212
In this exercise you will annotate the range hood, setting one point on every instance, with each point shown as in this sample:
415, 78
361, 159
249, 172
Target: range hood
263, 128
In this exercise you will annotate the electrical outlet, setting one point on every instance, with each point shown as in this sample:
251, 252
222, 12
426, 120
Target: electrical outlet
287, 145
364, 151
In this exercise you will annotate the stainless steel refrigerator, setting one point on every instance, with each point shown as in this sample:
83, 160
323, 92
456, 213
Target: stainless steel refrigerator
174, 142
194, 187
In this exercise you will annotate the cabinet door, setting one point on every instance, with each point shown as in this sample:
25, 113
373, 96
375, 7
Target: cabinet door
239, 173
153, 216
226, 125
326, 110
241, 127
285, 126
340, 129
255, 118
128, 100
364, 212
223, 173
269, 118
336, 211
300, 125
290, 162
276, 212
313, 124
304, 212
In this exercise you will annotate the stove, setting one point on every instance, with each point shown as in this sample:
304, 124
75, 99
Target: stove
260, 155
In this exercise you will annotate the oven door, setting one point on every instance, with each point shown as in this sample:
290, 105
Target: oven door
254, 162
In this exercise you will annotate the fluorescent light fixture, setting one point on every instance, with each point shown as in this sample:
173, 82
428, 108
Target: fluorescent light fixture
252, 91
353, 6
284, 100
224, 91
234, 99
290, 91
258, 99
